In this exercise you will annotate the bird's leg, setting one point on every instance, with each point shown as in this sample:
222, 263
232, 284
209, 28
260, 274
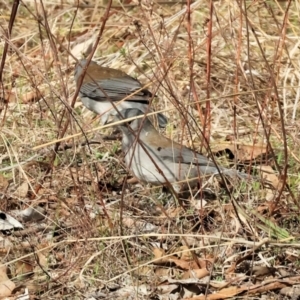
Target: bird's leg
174, 193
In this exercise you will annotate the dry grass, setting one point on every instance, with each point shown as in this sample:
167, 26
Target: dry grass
100, 231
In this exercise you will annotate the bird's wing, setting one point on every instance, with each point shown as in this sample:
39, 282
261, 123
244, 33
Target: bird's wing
187, 156
116, 89
183, 155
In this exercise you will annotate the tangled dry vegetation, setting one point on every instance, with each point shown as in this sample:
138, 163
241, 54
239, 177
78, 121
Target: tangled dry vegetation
226, 70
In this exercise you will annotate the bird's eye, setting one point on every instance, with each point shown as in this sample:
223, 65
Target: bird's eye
129, 122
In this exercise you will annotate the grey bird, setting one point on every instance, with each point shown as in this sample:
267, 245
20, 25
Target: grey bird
103, 86
156, 159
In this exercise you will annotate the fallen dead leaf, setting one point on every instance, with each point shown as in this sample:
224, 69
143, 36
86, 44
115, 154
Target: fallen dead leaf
144, 271
262, 271
32, 96
186, 264
291, 291
173, 212
196, 273
183, 264
266, 287
6, 285
158, 252
185, 253
268, 174
22, 190
223, 294
7, 96
165, 273
23, 268
3, 183
167, 288
241, 152
42, 259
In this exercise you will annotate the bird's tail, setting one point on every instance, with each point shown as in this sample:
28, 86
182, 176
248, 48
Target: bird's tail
235, 173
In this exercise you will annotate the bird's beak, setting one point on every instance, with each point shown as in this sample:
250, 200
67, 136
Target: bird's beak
111, 119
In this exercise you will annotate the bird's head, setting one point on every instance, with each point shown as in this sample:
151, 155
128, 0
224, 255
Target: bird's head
133, 119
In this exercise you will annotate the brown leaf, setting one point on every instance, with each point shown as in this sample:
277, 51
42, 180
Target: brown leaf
144, 271
23, 267
269, 174
197, 273
223, 294
163, 273
32, 96
3, 183
43, 261
183, 264
185, 253
6, 286
7, 96
262, 271
241, 152
266, 287
291, 291
173, 212
22, 190
158, 253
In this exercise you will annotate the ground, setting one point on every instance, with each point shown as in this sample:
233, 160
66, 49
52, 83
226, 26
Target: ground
77, 225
